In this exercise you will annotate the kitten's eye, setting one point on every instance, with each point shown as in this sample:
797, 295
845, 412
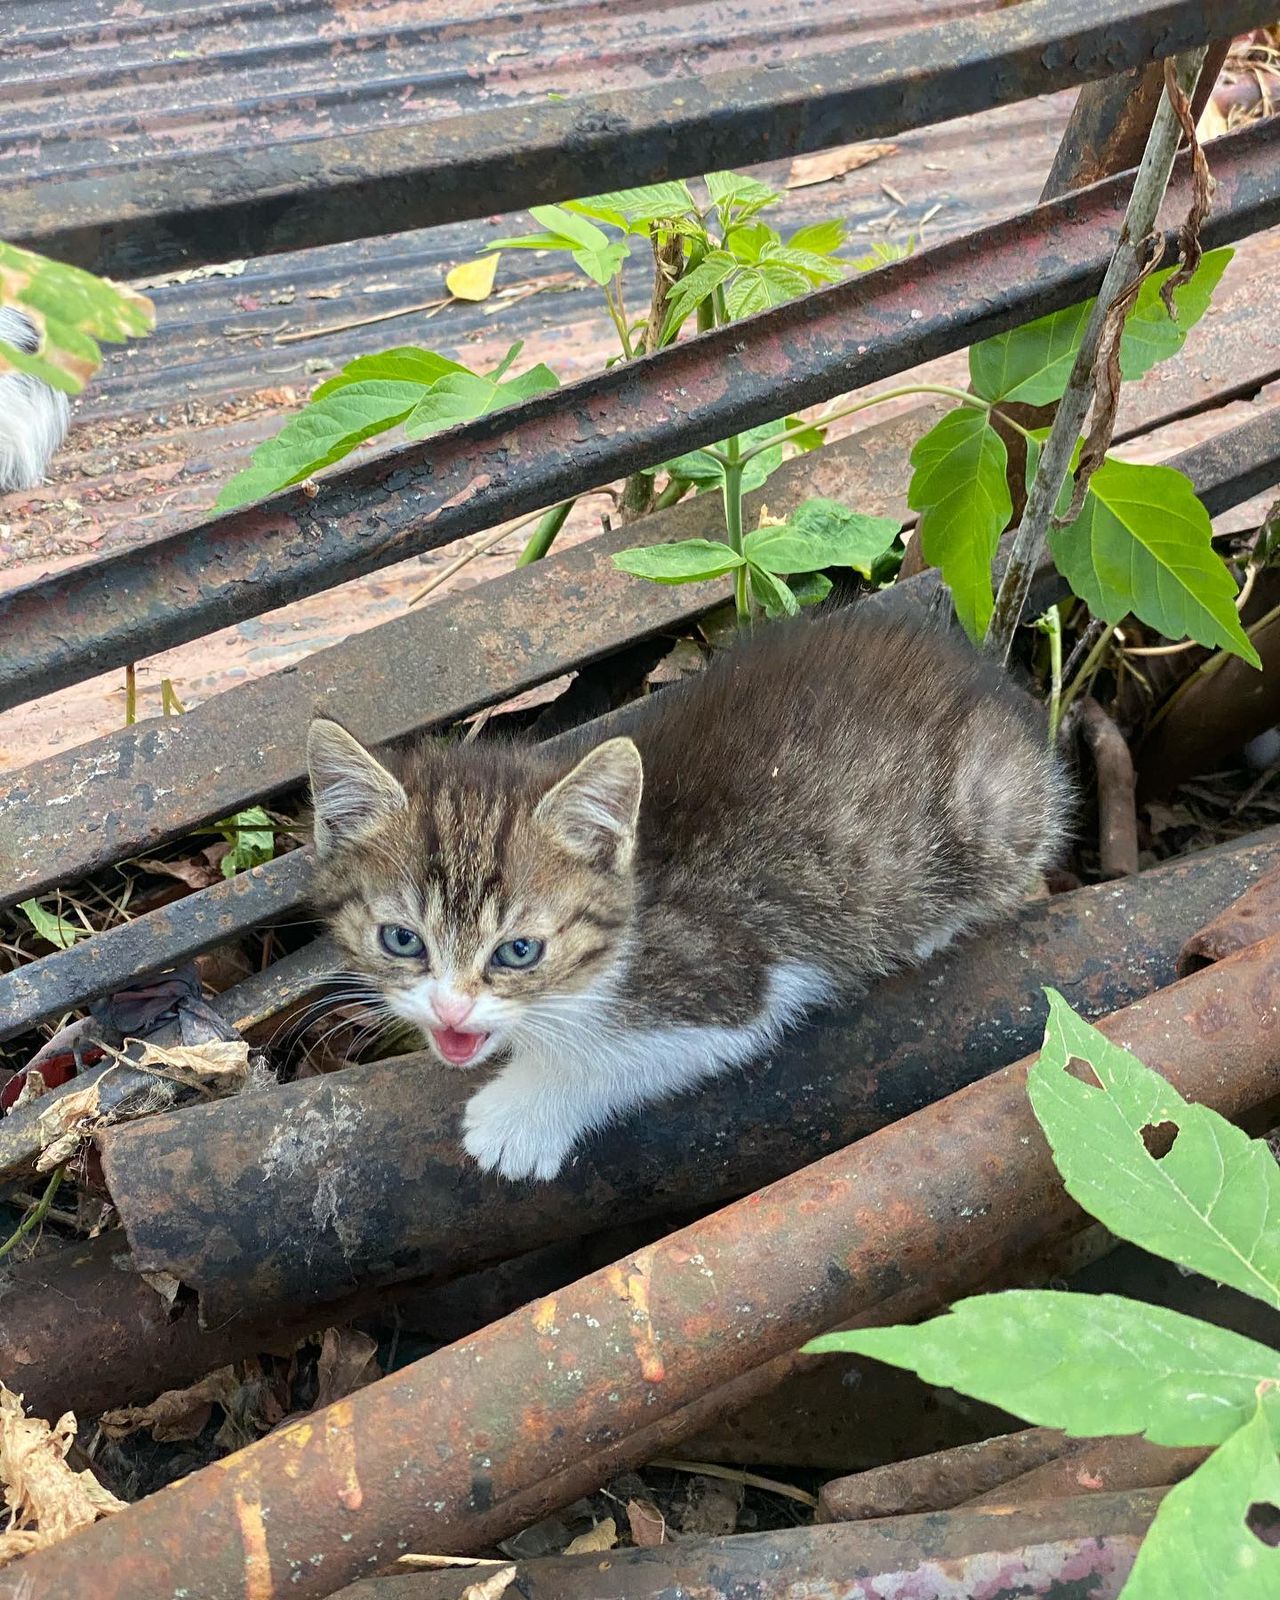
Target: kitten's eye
400, 941
519, 953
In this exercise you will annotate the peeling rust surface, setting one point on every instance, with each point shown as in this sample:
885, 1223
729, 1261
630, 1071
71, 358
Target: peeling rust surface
424, 495
425, 1455
369, 1182
1255, 915
305, 186
1060, 1550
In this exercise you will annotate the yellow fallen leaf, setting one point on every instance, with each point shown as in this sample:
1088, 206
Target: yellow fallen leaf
602, 1537
473, 280
45, 1498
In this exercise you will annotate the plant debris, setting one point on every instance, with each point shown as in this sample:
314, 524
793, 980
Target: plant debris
47, 1499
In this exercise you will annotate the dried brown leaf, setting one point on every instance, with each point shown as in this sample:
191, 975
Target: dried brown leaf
221, 1064
47, 1500
195, 873
602, 1537
177, 1413
490, 1588
348, 1361
828, 164
648, 1525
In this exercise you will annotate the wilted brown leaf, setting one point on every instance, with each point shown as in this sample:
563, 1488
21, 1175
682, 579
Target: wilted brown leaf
348, 1360
177, 1413
221, 1064
490, 1588
195, 873
648, 1526
602, 1537
47, 1500
829, 164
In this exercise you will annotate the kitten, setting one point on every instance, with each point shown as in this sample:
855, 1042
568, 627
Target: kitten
831, 800
33, 417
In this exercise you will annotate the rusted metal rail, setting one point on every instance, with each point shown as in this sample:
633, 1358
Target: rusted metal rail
424, 495
434, 1457
402, 1200
1066, 1547
169, 212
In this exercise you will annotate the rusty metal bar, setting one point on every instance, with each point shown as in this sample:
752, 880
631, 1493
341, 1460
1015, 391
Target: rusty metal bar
404, 1201
422, 1458
158, 213
1083, 1546
1113, 1465
1255, 915
113, 611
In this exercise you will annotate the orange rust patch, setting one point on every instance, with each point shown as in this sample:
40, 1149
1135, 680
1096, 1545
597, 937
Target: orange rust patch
544, 1316
631, 1285
257, 1561
340, 1451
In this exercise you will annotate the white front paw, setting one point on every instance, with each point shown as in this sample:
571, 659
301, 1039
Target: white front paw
507, 1128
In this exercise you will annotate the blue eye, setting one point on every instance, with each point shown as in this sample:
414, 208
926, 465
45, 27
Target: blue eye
518, 953
400, 941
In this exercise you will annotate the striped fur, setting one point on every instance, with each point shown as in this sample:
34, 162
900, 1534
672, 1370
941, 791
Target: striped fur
838, 797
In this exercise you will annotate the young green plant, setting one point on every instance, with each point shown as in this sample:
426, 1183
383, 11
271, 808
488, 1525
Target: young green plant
1211, 1205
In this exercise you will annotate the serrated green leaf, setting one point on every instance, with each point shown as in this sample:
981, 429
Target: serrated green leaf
463, 396
252, 836
1199, 1545
1091, 1364
747, 242
655, 202
824, 237
323, 433
695, 287
810, 588
690, 561
405, 364
1030, 364
816, 268
70, 311
769, 283
739, 195
772, 594
55, 930
960, 491
1143, 543
1211, 1203
1149, 334
821, 533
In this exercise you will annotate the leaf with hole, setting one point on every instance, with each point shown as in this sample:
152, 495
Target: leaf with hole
1090, 1364
1143, 544
55, 930
690, 561
772, 594
959, 489
327, 430
1212, 1202
70, 311
821, 533
1200, 1545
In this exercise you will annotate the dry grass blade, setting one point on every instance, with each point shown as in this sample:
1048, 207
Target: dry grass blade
47, 1500
752, 1480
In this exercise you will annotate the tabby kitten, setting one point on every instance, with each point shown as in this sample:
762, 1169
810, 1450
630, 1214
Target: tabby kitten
829, 801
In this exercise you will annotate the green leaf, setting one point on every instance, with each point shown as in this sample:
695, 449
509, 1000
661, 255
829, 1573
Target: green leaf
1149, 333
463, 396
70, 311
771, 593
405, 364
593, 250
816, 268
736, 194
810, 588
55, 930
814, 434
1143, 544
770, 283
822, 533
747, 242
634, 209
701, 468
326, 431
1199, 1545
695, 287
1091, 1364
690, 561
824, 237
1212, 1202
1030, 364
959, 489
252, 835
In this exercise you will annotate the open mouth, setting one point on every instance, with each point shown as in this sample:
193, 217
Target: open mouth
457, 1047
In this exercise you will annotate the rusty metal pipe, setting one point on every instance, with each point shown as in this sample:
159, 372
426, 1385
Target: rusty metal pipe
414, 1460
113, 611
368, 1182
1084, 1547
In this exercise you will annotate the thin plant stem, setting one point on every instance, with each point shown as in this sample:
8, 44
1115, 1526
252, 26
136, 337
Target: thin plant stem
732, 487
1208, 668
1087, 669
38, 1212
675, 489
544, 535
1051, 623
130, 695
619, 321
1056, 455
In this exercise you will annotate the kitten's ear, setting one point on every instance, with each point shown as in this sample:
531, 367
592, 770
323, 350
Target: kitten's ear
592, 811
351, 791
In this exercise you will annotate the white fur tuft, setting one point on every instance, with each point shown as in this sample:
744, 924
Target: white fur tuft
33, 417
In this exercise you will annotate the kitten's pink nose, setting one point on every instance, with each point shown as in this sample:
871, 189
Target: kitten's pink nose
453, 1009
